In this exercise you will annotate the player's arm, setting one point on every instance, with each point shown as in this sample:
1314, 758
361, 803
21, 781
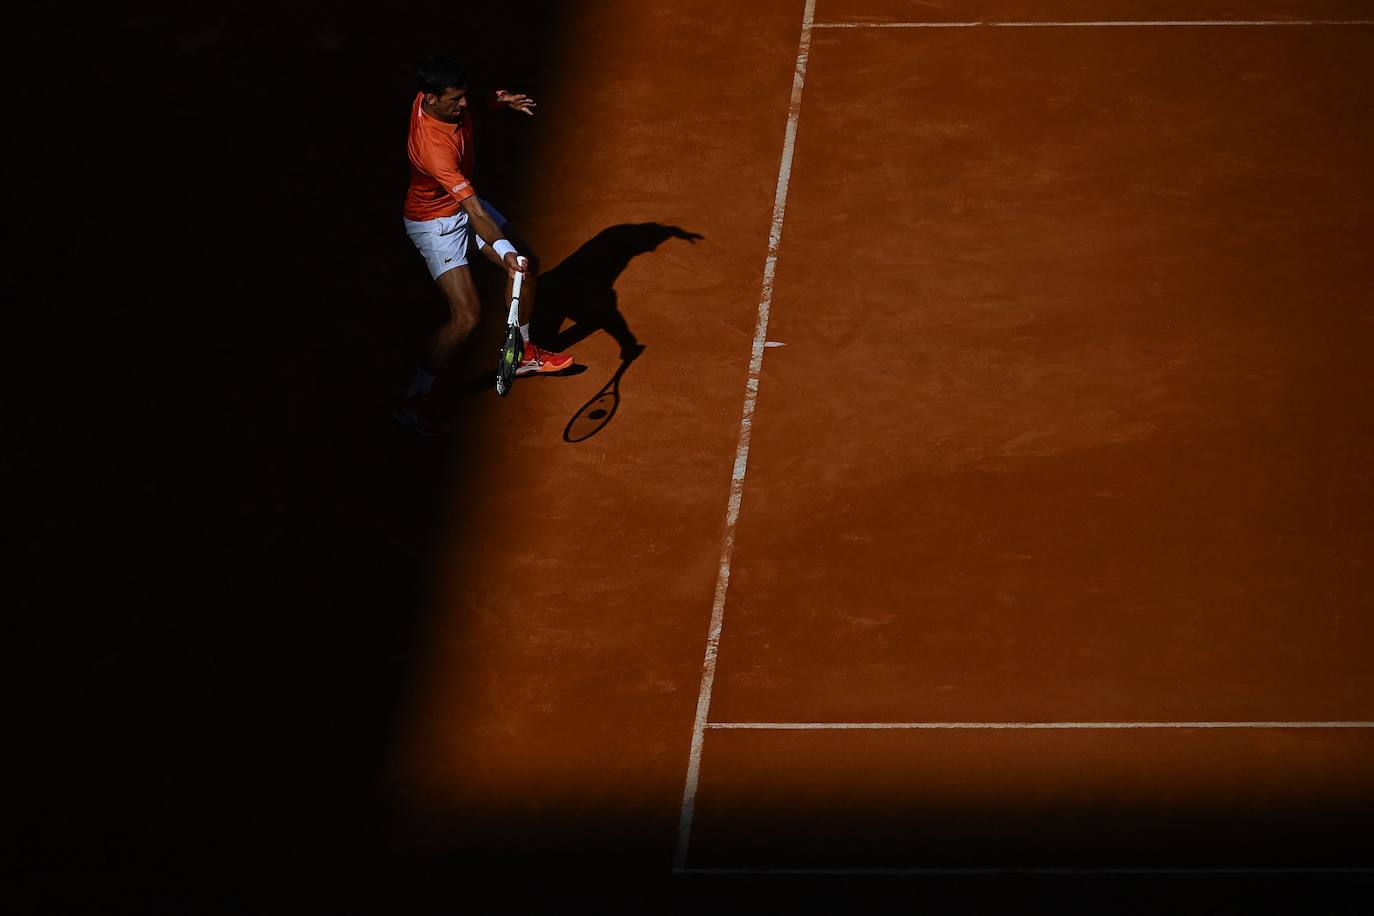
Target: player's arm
517, 101
489, 232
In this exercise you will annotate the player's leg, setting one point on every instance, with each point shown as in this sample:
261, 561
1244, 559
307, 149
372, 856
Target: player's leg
443, 244
464, 309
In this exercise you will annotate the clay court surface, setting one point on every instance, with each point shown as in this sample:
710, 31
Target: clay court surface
1064, 429
1045, 545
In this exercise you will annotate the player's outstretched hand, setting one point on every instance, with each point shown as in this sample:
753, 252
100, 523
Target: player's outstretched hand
518, 101
516, 263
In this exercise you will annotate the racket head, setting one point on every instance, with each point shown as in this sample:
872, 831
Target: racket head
512, 352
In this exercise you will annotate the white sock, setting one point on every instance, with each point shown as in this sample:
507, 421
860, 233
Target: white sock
525, 332
421, 384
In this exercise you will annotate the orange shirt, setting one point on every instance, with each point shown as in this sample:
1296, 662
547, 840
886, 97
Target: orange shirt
441, 159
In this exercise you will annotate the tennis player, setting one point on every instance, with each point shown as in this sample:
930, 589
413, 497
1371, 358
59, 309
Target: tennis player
443, 215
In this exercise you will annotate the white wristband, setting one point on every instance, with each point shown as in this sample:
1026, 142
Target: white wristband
502, 248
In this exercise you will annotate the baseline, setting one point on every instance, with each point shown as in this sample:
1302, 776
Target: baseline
1098, 24
1028, 726
1278, 871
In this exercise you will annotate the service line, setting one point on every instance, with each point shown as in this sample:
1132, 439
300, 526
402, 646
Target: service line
751, 394
1015, 726
1096, 24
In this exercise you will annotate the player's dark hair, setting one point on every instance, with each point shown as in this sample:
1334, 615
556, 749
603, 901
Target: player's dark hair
439, 73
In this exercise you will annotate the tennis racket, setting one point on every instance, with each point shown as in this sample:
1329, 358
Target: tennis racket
513, 350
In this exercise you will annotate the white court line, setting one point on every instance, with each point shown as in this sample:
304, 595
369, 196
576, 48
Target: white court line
1014, 726
751, 393
1033, 870
1096, 24
898, 25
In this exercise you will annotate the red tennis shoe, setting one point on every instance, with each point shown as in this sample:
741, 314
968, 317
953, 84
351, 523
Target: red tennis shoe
539, 360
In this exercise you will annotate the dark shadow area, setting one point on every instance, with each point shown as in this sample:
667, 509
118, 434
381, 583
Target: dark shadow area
897, 833
814, 854
225, 543
1038, 834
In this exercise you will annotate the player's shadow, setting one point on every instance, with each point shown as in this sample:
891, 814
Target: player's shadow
581, 289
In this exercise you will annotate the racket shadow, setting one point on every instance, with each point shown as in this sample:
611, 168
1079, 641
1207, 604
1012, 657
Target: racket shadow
593, 416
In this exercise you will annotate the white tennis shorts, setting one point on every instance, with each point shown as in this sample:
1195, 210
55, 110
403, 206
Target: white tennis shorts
444, 241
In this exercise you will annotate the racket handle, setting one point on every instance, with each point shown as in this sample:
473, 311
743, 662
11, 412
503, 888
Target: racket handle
514, 317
